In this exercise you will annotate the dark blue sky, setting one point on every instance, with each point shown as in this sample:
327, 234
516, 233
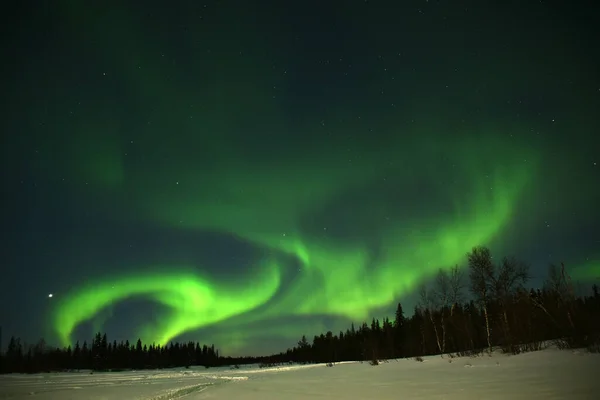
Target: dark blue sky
336, 140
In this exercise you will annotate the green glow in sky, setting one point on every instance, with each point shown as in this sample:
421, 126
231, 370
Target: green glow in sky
194, 302
348, 276
349, 206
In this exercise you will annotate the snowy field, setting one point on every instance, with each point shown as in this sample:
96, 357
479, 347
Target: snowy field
549, 374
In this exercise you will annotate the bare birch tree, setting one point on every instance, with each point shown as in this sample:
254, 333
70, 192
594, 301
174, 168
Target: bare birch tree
481, 271
427, 304
511, 277
447, 292
559, 283
499, 283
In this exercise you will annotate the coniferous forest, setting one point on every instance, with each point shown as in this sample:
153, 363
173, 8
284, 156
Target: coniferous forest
462, 312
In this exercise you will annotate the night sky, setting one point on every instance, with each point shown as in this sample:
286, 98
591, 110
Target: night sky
242, 173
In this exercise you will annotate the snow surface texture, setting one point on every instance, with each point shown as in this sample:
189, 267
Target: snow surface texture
549, 374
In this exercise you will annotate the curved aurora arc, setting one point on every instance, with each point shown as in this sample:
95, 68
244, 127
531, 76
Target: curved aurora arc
351, 271
335, 277
194, 301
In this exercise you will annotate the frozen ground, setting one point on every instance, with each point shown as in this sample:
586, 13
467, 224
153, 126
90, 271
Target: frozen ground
549, 374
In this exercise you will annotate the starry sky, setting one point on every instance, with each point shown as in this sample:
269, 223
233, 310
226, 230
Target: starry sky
242, 173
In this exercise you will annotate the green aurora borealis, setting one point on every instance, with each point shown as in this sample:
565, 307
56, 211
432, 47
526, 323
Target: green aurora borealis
343, 203
268, 207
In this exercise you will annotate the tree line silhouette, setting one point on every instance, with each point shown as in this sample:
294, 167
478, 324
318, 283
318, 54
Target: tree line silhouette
103, 355
459, 314
499, 313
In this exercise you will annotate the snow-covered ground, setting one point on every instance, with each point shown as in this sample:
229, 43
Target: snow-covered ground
549, 374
